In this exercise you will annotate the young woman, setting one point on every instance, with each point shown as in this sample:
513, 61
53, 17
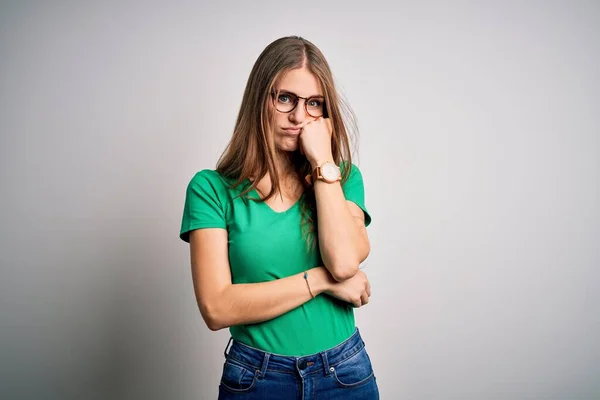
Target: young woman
277, 233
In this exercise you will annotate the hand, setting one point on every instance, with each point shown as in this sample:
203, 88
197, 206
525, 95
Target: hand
315, 141
355, 290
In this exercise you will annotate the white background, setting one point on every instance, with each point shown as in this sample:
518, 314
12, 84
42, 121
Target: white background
479, 148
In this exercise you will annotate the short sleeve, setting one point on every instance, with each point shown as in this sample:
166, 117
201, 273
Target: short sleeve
354, 191
203, 208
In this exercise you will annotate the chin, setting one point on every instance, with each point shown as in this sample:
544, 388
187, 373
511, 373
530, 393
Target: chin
288, 149
287, 144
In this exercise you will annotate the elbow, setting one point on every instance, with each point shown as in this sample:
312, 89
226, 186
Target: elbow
213, 324
214, 309
215, 327
365, 250
365, 255
343, 272
212, 317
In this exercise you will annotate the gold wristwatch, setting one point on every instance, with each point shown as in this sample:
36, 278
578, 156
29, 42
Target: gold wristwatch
327, 172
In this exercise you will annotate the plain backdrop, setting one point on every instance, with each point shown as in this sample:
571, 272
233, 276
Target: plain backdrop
480, 153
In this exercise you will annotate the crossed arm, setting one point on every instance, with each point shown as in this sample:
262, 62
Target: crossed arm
223, 304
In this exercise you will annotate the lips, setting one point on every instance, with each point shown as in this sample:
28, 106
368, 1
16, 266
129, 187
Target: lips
294, 131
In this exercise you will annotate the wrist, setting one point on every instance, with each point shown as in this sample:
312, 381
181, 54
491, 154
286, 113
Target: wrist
320, 281
317, 162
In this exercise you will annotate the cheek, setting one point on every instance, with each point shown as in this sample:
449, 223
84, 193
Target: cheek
280, 119
276, 117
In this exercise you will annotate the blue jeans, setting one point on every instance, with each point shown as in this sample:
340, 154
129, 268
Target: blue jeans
342, 372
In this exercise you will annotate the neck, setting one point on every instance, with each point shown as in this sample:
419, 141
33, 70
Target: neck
285, 164
289, 184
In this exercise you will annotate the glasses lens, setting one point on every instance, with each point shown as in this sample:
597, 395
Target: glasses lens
285, 102
315, 106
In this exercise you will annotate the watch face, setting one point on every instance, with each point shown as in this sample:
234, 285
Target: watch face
330, 172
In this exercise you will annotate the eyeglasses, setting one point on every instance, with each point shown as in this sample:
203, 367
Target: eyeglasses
286, 102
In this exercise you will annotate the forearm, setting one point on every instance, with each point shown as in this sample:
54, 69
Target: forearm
248, 303
342, 244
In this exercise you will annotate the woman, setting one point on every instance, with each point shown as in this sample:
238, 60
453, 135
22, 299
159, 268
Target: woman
277, 233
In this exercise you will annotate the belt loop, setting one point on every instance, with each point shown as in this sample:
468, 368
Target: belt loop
325, 362
263, 368
225, 352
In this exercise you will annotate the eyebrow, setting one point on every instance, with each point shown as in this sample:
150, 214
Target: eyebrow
290, 92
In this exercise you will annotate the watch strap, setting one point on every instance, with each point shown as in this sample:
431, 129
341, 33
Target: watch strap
316, 174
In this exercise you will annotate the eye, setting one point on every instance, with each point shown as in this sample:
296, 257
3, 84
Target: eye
315, 102
284, 98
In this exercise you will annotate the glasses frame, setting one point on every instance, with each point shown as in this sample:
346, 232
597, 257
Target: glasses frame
275, 93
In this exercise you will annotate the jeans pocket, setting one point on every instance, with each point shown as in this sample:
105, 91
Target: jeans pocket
237, 377
354, 371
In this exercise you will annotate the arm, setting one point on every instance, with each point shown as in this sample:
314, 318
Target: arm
343, 238
223, 304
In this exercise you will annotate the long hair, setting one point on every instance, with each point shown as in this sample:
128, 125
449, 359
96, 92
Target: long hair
251, 151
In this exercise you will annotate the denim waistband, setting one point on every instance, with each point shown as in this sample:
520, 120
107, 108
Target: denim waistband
262, 361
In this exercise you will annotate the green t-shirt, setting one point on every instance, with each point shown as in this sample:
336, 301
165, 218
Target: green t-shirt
265, 245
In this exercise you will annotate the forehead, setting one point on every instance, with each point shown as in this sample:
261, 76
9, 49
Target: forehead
300, 81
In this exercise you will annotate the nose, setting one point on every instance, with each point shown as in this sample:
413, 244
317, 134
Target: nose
298, 115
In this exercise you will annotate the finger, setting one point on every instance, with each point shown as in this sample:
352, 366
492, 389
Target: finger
308, 121
357, 302
364, 298
368, 289
329, 125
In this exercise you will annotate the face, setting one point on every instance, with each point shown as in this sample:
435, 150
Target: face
302, 83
